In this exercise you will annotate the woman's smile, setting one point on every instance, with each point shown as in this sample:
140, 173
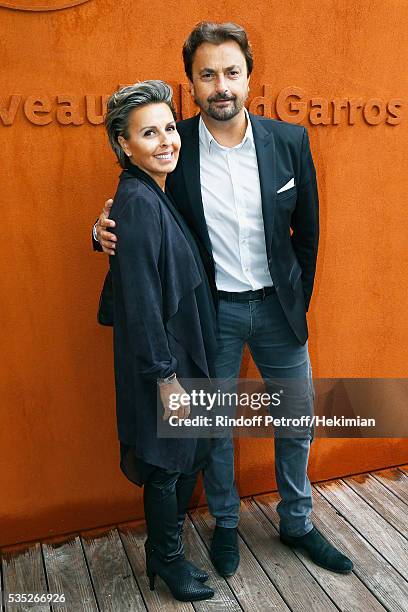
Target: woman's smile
168, 156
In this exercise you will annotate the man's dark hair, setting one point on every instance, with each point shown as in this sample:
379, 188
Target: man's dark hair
216, 34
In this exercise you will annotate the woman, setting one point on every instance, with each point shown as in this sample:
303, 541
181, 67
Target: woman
164, 323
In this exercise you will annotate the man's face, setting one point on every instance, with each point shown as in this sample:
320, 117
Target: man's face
220, 80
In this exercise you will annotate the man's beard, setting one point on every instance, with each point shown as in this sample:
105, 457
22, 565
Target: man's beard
221, 113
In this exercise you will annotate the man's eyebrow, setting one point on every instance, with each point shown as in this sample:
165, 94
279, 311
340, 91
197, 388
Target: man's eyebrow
211, 70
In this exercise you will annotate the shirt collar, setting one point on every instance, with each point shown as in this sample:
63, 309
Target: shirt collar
208, 141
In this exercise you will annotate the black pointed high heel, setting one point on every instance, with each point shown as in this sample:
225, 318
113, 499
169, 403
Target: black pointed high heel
164, 547
195, 571
176, 575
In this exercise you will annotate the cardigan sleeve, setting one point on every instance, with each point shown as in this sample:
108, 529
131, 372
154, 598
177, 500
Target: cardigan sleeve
136, 267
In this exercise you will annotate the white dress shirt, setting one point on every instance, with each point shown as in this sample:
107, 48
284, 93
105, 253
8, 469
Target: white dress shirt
231, 195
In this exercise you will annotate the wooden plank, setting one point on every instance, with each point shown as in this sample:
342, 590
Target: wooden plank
391, 508
133, 536
347, 592
403, 469
23, 572
67, 573
196, 552
380, 578
112, 577
250, 584
387, 540
298, 588
395, 480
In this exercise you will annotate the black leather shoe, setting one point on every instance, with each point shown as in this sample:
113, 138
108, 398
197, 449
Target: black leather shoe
320, 551
224, 552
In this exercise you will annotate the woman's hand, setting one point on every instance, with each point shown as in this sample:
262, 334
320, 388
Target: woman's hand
179, 396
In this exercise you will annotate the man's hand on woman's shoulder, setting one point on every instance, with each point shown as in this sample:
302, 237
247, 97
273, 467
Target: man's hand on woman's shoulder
106, 239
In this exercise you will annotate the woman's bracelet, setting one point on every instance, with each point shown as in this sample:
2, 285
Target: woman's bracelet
168, 380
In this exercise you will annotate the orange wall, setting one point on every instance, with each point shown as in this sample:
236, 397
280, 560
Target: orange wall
59, 453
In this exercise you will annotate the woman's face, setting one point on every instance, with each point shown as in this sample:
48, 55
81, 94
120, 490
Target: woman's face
153, 142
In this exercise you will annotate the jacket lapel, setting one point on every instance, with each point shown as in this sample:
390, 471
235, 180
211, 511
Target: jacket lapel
190, 162
266, 155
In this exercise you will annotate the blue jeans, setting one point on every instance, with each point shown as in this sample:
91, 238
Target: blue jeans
277, 354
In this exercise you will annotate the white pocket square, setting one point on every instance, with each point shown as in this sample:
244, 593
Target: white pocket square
288, 185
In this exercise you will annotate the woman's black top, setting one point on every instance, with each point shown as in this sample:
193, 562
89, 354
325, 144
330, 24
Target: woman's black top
164, 321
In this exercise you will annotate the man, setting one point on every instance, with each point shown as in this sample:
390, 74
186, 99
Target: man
247, 187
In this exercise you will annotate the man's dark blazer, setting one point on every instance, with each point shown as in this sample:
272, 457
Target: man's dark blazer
291, 218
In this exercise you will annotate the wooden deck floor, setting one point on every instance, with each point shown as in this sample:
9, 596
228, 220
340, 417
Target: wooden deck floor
366, 516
